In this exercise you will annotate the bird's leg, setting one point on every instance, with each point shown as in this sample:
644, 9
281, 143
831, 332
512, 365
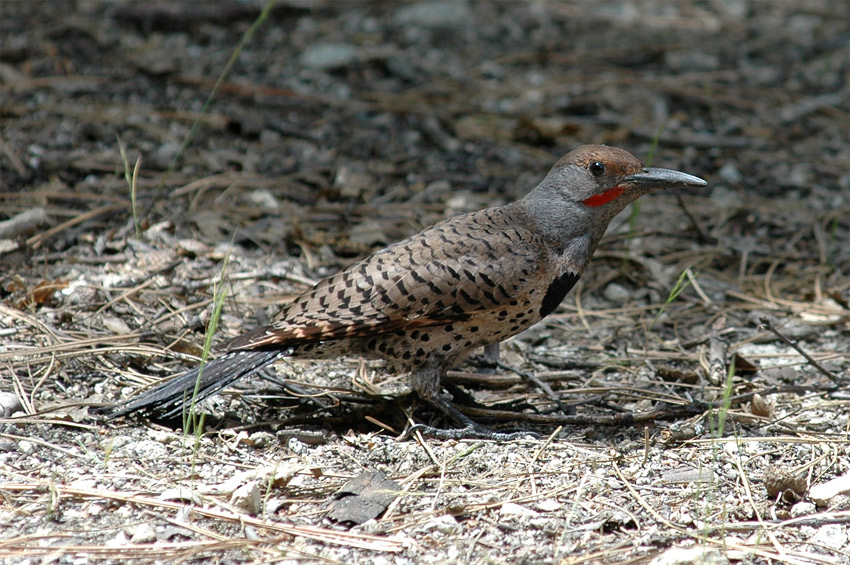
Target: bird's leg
531, 378
491, 359
426, 383
492, 353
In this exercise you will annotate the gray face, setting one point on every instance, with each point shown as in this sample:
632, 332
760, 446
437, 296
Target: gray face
574, 204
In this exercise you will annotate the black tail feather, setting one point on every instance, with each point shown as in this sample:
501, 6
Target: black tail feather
171, 397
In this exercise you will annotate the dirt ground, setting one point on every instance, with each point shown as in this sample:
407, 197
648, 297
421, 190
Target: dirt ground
701, 365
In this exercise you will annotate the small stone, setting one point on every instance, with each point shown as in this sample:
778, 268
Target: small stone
9, 404
180, 493
148, 449
549, 505
446, 524
802, 509
164, 437
513, 509
120, 539
296, 446
328, 56
141, 533
435, 14
160, 159
368, 233
264, 199
248, 498
116, 325
192, 247
823, 493
617, 293
26, 447
261, 440
730, 174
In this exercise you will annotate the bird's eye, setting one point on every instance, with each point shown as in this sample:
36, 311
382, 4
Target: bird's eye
596, 168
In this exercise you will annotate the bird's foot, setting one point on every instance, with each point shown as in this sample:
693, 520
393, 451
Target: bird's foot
469, 428
470, 431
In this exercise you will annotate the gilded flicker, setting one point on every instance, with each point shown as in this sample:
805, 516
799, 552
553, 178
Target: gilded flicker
424, 303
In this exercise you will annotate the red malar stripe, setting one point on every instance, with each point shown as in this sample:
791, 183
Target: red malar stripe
605, 197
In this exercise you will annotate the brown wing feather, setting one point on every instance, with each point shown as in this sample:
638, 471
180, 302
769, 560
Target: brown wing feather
463, 265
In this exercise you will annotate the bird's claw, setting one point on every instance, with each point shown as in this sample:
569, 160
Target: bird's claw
470, 431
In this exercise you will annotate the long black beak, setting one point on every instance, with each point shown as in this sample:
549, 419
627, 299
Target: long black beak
651, 177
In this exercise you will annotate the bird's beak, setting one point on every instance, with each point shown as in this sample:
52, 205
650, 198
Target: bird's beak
661, 178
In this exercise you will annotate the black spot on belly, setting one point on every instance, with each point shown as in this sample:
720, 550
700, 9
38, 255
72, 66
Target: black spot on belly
556, 292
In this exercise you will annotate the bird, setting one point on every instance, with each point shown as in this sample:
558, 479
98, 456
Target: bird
423, 304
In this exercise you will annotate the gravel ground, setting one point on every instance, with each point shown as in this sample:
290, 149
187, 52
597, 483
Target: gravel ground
695, 434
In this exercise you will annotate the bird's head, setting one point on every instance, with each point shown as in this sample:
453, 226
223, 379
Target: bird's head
590, 185
598, 176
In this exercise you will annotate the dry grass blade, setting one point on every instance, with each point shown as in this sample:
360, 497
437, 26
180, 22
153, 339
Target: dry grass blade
37, 240
765, 321
362, 541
